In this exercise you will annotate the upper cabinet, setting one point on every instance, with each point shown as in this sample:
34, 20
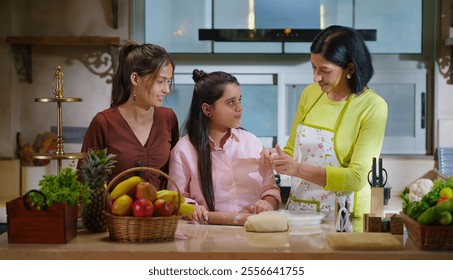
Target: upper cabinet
399, 24
269, 26
174, 24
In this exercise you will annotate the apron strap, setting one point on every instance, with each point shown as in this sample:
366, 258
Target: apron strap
317, 203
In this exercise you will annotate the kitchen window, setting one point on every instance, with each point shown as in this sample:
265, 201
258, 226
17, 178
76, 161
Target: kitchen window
405, 94
259, 100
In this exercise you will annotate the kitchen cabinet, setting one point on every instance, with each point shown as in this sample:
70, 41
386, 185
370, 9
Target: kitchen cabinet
175, 24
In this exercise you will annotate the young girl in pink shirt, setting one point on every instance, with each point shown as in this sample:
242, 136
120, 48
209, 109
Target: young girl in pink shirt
217, 164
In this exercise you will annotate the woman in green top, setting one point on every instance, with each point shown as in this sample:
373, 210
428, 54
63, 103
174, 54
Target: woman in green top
338, 128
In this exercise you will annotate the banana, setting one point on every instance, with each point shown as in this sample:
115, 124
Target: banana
125, 187
186, 209
170, 196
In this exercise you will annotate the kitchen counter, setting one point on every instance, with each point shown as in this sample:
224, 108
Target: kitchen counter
213, 242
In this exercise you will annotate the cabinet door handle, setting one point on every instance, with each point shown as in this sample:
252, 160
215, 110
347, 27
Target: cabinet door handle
423, 114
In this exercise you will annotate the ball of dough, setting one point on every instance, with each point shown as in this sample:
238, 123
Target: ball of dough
267, 222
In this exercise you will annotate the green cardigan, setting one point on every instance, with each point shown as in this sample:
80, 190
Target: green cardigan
358, 138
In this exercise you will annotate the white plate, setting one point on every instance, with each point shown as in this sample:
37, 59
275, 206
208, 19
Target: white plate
303, 218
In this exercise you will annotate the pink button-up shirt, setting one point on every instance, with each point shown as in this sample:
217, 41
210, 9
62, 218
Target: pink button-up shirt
239, 178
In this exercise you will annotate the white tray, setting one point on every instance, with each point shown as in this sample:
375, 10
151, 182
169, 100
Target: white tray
303, 218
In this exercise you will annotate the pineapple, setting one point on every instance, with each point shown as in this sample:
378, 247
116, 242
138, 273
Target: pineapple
95, 171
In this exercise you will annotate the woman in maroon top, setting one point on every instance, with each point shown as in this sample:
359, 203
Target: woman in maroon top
136, 127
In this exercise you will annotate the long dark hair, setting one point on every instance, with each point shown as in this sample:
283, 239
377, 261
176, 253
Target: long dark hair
208, 89
341, 46
145, 59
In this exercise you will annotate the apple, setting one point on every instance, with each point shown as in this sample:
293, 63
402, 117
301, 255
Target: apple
145, 190
162, 208
142, 208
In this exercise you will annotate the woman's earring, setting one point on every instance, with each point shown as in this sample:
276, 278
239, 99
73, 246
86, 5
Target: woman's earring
348, 76
134, 97
208, 115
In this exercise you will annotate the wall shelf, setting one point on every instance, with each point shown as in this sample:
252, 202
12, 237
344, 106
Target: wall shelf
21, 47
63, 40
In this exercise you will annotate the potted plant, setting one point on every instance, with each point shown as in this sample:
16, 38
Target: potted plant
61, 188
48, 215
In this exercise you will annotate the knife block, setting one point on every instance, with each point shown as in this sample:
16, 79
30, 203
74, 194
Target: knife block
377, 201
392, 223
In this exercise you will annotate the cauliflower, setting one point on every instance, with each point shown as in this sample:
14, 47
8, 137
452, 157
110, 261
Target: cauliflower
418, 189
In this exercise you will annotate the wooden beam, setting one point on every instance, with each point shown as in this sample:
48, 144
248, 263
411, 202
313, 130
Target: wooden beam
114, 4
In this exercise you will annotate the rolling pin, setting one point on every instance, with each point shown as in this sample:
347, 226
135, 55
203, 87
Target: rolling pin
226, 218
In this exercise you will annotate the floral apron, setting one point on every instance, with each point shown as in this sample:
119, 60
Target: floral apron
315, 146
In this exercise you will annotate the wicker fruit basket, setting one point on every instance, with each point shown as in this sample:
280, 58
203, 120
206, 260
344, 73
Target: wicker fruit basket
140, 229
429, 237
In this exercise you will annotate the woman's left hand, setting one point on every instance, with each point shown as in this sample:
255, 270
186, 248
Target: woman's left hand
284, 163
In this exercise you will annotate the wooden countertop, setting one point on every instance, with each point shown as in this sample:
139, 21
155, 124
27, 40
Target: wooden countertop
212, 242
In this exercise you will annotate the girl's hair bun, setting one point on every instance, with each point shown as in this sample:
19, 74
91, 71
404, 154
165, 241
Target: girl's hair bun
197, 75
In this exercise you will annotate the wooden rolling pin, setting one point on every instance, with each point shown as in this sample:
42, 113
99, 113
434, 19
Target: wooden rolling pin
225, 218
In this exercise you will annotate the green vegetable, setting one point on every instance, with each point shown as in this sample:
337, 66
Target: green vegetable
432, 214
429, 216
63, 187
431, 197
445, 218
416, 208
446, 205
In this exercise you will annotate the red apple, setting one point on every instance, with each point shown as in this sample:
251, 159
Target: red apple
145, 190
162, 208
143, 208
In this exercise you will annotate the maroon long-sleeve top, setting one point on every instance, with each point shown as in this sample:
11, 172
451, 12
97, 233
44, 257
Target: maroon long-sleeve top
109, 129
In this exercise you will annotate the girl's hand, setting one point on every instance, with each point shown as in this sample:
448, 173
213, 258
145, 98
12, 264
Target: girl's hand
200, 214
266, 155
258, 207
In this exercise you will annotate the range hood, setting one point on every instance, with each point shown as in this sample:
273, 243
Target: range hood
271, 21
269, 35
